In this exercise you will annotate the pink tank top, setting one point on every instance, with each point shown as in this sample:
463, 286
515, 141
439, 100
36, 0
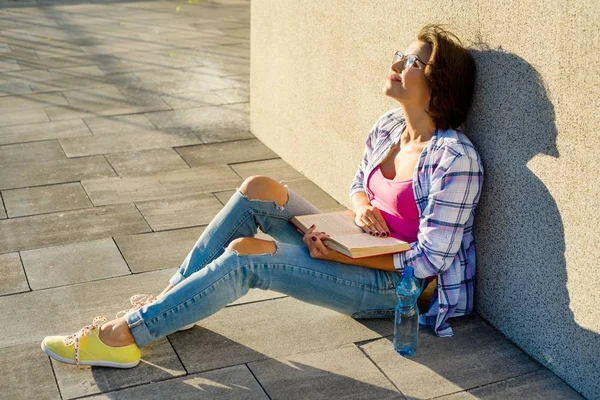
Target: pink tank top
396, 202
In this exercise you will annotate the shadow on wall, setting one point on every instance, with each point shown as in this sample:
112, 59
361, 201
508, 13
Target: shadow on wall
522, 274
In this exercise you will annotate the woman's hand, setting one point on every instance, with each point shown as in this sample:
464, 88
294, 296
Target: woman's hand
369, 218
316, 248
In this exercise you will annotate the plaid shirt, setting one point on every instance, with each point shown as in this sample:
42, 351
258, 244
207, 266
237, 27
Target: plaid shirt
447, 184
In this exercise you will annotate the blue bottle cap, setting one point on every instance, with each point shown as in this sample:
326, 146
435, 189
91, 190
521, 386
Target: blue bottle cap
408, 271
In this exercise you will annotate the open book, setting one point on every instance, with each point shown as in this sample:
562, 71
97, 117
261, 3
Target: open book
347, 237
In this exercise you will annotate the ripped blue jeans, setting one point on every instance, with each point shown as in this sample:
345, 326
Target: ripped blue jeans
212, 275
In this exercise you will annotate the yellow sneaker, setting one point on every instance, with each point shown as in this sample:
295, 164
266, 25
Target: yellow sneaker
140, 300
86, 348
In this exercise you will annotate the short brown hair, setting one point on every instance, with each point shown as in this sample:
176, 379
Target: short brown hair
450, 75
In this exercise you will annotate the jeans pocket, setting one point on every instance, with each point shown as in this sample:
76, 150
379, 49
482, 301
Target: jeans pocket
374, 313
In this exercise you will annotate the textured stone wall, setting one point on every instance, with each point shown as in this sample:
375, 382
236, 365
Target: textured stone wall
317, 70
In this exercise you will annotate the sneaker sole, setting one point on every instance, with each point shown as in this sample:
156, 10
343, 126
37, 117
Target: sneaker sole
186, 327
95, 363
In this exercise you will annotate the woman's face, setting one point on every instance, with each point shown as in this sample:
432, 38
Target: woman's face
408, 86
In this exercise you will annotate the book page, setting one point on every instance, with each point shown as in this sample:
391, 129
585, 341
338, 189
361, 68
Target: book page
366, 240
334, 223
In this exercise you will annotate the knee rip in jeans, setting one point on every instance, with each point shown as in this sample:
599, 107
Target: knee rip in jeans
255, 254
280, 208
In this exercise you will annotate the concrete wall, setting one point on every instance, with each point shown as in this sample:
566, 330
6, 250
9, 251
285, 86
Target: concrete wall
317, 70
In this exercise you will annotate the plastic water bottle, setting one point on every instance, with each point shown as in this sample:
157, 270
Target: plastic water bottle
406, 321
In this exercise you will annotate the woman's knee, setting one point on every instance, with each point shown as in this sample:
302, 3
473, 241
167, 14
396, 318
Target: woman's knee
249, 245
262, 187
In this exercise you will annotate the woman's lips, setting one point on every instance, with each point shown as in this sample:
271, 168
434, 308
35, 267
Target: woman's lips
393, 78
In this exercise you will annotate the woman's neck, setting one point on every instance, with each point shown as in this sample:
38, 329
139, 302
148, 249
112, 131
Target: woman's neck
419, 126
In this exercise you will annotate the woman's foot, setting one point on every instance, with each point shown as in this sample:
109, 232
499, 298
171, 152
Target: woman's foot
87, 348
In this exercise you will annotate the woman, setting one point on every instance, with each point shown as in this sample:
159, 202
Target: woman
423, 181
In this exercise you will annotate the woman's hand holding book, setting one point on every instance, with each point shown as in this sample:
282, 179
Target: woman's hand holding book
369, 218
313, 241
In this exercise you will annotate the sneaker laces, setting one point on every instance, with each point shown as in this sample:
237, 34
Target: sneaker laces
85, 331
137, 301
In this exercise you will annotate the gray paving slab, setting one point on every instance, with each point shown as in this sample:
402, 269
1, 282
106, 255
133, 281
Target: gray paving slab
159, 362
73, 263
39, 100
104, 100
122, 124
180, 212
22, 153
16, 116
226, 152
277, 169
476, 355
25, 374
2, 209
203, 119
232, 383
55, 171
157, 250
538, 385
144, 162
13, 275
340, 373
66, 227
45, 199
142, 139
206, 97
257, 331
164, 184
43, 131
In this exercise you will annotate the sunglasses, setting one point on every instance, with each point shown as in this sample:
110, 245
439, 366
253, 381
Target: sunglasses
409, 60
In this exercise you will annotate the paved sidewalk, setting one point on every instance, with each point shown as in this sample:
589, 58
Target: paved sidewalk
123, 131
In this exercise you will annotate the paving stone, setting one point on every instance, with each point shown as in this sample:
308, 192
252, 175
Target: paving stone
276, 169
159, 250
131, 141
13, 276
43, 131
160, 185
56, 171
226, 152
21, 153
73, 263
476, 355
274, 328
339, 373
2, 209
180, 212
206, 98
172, 81
146, 161
26, 374
159, 362
66, 227
11, 87
123, 124
230, 383
205, 119
45, 199
39, 100
16, 116
538, 385
104, 100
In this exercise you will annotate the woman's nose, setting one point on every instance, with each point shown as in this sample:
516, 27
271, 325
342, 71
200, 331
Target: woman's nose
397, 66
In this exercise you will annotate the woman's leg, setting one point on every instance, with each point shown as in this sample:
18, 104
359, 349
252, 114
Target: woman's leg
354, 290
240, 217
